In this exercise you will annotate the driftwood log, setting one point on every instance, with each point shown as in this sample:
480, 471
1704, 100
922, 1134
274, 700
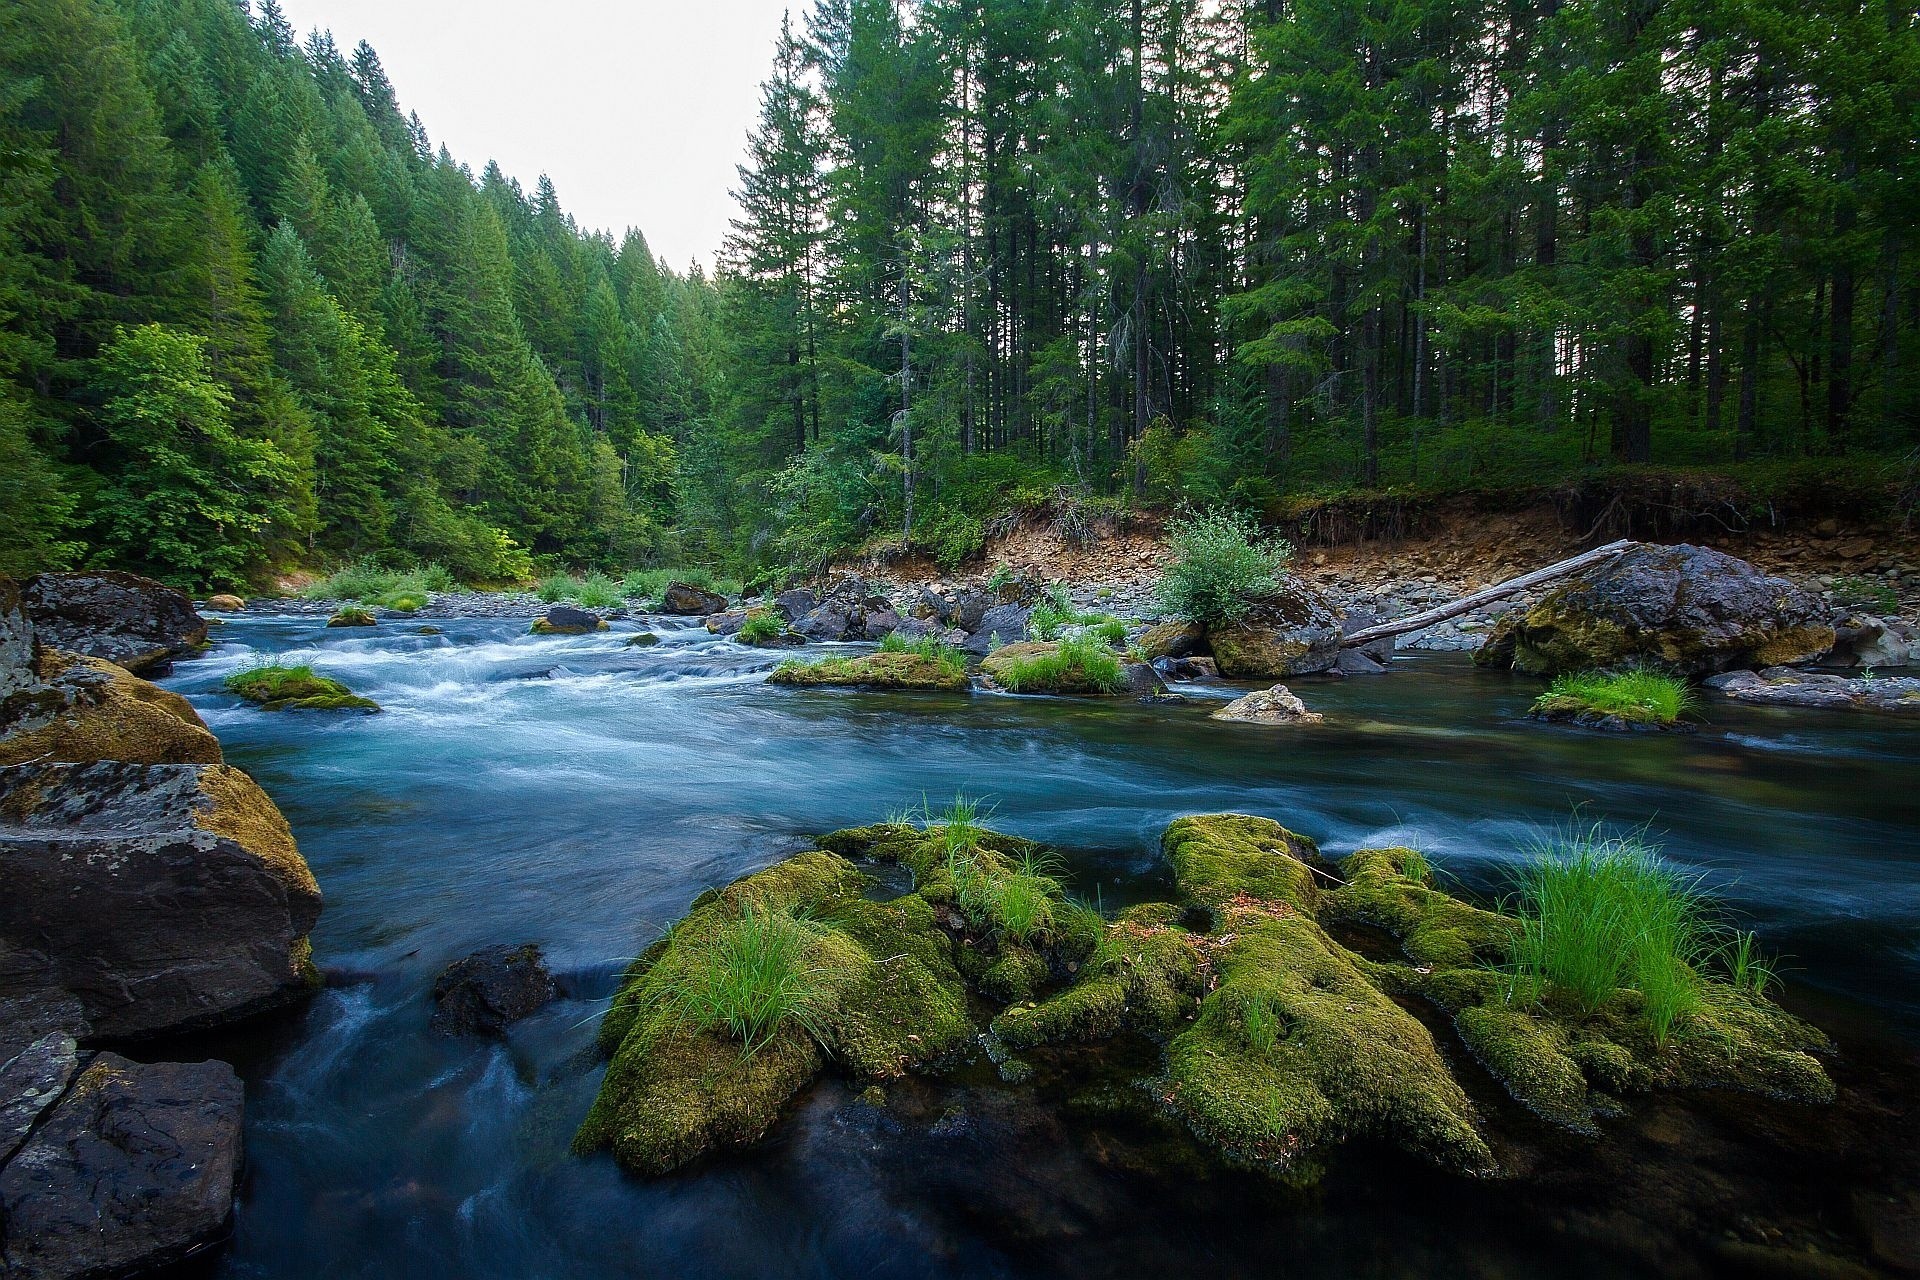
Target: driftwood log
1499, 591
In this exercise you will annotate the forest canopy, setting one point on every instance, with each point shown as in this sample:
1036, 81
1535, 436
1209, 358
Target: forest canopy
991, 254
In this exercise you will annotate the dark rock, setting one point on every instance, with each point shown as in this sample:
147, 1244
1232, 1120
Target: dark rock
834, 620
134, 1169
136, 622
159, 898
795, 603
881, 623
565, 620
966, 609
1865, 641
1296, 631
645, 640
1358, 662
1381, 650
726, 624
490, 989
31, 1080
690, 601
1187, 668
1002, 624
1690, 609
954, 1122
1174, 639
1143, 681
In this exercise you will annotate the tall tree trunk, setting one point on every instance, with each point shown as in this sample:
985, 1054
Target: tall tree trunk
1840, 318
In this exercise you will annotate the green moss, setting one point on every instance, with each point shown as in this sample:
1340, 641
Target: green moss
278, 688
1222, 856
1017, 973
876, 671
1531, 1057
884, 998
352, 617
1389, 889
1146, 974
1295, 1050
1080, 666
541, 627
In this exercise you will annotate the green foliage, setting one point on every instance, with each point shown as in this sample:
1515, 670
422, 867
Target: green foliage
754, 976
1869, 594
371, 583
1051, 613
1639, 695
1600, 912
1076, 662
1222, 565
762, 625
1748, 967
948, 656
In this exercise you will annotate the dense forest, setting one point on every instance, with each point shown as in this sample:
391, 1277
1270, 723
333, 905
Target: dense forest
992, 254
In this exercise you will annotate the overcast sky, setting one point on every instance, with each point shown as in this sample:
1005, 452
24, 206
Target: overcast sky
637, 109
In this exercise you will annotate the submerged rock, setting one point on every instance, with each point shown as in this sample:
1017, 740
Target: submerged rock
133, 1170
688, 601
143, 900
1690, 609
138, 623
491, 989
1785, 687
1296, 631
565, 620
1277, 705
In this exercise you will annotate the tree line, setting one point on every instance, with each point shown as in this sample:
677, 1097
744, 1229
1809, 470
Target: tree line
991, 254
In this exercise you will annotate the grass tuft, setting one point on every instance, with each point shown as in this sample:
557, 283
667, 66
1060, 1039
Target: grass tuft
761, 626
750, 979
1638, 695
368, 582
1079, 661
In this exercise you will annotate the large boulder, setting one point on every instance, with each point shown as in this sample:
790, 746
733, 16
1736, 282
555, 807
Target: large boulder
689, 601
1295, 631
796, 602
565, 620
82, 709
491, 989
1278, 705
134, 621
133, 1170
144, 900
1177, 638
1002, 624
1690, 609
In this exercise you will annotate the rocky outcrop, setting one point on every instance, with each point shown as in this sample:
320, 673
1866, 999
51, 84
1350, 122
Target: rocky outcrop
491, 989
132, 1170
1785, 687
33, 1075
1690, 609
565, 620
1277, 705
1001, 624
122, 617
1865, 641
1295, 631
78, 710
148, 899
904, 671
688, 601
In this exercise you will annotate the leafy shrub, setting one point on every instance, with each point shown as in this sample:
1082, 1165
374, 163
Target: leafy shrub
1222, 565
1638, 694
1110, 631
761, 626
1600, 912
555, 587
1051, 613
598, 591
749, 979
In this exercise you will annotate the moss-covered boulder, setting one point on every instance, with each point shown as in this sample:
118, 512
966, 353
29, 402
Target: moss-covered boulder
1083, 667
1691, 609
1218, 857
277, 688
911, 671
1392, 889
873, 990
1175, 639
77, 710
1295, 631
1147, 974
565, 620
353, 616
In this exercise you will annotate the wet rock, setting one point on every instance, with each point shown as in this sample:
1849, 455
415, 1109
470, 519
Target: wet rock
796, 603
1176, 639
726, 624
876, 671
644, 640
1195, 668
226, 603
565, 620
834, 620
1785, 687
1277, 705
999, 625
491, 989
31, 1080
954, 1122
1294, 632
79, 710
134, 1169
155, 898
122, 617
353, 616
296, 689
1358, 662
1866, 641
686, 600
1381, 650
1691, 609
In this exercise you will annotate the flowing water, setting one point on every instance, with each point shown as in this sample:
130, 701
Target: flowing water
578, 792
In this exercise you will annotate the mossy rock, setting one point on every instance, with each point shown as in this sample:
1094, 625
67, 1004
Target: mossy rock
887, 1000
543, 627
1146, 975
1389, 889
1219, 857
296, 689
1296, 1050
1068, 681
645, 640
1175, 639
86, 709
352, 618
910, 671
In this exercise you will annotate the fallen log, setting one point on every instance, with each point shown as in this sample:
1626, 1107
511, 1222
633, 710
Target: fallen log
1499, 591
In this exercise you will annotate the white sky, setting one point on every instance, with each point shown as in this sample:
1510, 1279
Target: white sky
637, 109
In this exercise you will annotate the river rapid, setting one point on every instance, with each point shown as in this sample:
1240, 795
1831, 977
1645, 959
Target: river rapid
578, 792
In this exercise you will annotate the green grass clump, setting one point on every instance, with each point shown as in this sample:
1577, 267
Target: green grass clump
352, 616
950, 658
1020, 897
761, 626
1638, 695
598, 591
1599, 912
753, 977
368, 582
1079, 662
1222, 565
1869, 594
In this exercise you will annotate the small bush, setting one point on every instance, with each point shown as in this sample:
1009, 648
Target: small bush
749, 979
1051, 613
369, 583
1110, 631
1075, 662
598, 591
761, 626
1222, 565
1638, 695
1600, 912
926, 647
556, 587
646, 584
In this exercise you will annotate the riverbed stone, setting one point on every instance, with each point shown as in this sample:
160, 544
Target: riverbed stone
565, 620
138, 623
156, 898
1787, 687
226, 602
1690, 609
1000, 625
1278, 705
1175, 639
686, 600
1294, 631
488, 991
133, 1170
